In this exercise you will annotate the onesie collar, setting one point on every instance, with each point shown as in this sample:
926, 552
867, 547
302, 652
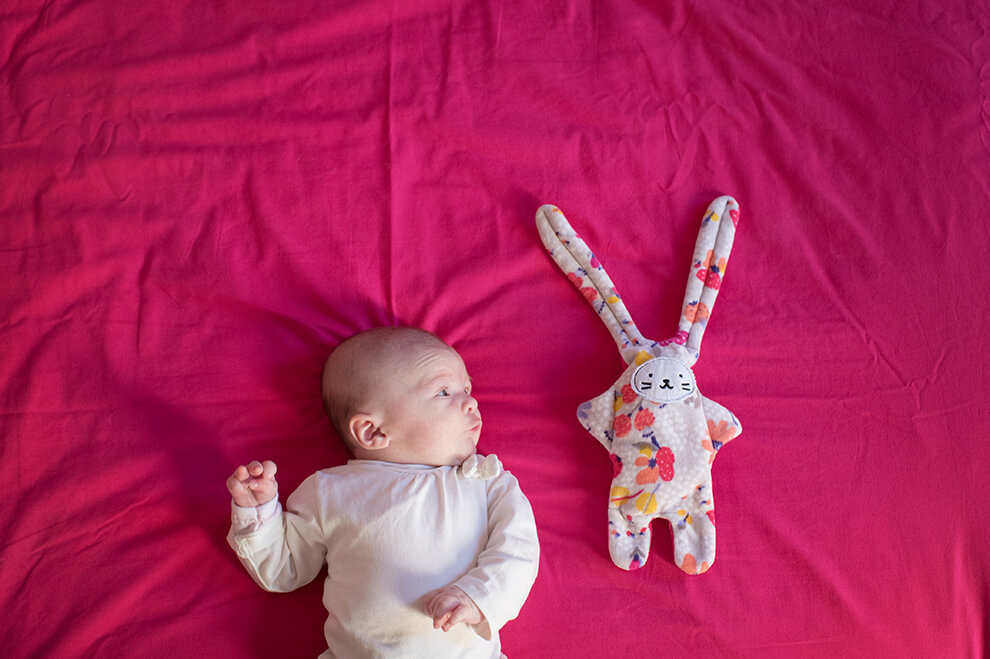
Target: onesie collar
482, 467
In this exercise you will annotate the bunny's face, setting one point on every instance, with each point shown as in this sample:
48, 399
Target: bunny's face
664, 380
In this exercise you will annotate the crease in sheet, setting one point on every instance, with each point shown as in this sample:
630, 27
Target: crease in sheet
389, 233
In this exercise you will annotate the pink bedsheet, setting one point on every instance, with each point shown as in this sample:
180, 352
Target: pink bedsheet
198, 200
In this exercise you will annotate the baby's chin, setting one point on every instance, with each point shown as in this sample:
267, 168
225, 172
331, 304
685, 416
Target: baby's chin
458, 459
464, 450
452, 459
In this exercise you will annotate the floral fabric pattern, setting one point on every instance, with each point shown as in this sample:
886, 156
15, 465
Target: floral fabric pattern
661, 449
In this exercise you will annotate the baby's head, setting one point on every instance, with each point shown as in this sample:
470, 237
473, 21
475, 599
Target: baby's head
400, 394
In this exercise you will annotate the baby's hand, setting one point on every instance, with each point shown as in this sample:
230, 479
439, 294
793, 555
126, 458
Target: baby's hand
451, 605
254, 484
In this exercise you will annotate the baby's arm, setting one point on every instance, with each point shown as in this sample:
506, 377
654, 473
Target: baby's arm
506, 570
253, 485
281, 549
450, 606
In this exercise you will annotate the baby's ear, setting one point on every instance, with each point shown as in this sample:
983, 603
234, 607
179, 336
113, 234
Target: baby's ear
366, 432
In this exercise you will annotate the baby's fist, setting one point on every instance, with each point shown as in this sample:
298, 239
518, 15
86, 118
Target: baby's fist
254, 484
450, 606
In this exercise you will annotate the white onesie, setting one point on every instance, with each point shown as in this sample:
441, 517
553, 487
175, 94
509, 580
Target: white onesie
391, 534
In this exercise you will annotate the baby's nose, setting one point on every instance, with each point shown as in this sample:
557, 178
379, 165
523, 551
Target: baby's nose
470, 404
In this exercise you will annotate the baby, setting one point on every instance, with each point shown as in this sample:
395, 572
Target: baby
430, 548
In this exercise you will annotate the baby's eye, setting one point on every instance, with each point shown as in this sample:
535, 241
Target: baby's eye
443, 393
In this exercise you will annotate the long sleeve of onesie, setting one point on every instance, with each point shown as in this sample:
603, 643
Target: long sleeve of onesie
281, 552
507, 567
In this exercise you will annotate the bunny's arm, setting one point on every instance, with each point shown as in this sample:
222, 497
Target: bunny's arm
723, 426
597, 415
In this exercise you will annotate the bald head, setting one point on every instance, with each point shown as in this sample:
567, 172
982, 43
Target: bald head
349, 374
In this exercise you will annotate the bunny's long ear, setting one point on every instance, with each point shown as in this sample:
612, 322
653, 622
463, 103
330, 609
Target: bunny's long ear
711, 253
584, 271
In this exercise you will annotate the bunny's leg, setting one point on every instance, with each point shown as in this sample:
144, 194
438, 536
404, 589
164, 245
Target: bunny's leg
692, 521
628, 539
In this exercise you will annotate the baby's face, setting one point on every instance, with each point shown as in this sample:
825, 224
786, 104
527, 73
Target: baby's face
431, 417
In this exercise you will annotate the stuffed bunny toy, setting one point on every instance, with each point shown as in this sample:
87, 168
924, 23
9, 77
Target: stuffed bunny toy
661, 433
